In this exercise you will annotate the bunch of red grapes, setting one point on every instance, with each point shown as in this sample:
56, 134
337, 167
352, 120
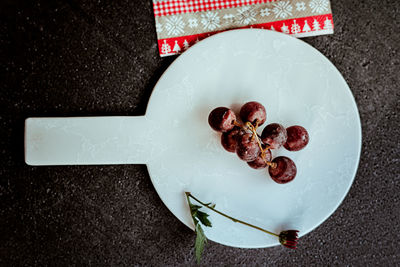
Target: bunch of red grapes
242, 139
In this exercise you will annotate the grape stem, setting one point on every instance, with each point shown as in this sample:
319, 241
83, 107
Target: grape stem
189, 195
236, 123
253, 129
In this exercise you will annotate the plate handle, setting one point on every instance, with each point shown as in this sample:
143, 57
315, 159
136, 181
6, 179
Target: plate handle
87, 140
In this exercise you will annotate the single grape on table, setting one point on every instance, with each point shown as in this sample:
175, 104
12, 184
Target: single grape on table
253, 112
284, 171
222, 119
274, 135
297, 138
229, 139
247, 147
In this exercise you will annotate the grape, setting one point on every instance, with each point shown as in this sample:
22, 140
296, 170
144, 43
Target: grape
247, 147
259, 162
252, 112
297, 138
275, 135
229, 139
222, 119
284, 171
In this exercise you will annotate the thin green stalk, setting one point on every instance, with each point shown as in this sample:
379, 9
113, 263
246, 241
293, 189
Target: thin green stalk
229, 217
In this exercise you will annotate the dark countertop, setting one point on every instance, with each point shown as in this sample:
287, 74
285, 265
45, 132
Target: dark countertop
72, 57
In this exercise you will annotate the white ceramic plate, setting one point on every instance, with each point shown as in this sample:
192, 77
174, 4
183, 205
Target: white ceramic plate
296, 84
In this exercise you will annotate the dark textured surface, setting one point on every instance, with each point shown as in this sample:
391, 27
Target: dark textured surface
91, 57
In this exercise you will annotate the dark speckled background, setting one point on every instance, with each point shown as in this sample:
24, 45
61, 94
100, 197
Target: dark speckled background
72, 57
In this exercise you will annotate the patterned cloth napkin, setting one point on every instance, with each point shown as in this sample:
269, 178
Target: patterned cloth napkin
181, 23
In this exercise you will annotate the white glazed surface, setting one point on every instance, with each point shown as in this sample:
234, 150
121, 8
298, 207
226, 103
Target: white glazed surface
295, 83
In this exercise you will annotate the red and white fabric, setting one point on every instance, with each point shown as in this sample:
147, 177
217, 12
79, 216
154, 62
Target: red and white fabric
181, 23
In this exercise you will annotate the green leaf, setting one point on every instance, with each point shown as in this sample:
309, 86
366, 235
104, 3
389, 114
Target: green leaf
201, 240
193, 207
202, 216
193, 210
194, 214
199, 216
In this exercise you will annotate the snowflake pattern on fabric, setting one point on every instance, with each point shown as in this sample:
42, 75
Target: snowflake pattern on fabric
229, 18
265, 12
300, 6
210, 20
159, 27
174, 25
182, 23
319, 6
282, 9
193, 23
246, 15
